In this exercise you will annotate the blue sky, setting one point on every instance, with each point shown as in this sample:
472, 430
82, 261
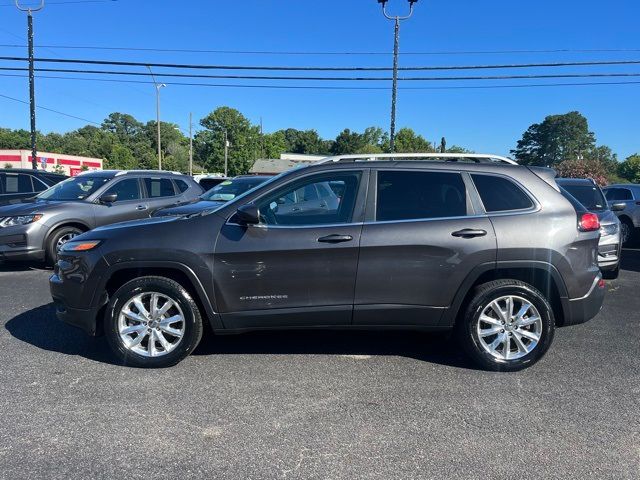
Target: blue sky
488, 120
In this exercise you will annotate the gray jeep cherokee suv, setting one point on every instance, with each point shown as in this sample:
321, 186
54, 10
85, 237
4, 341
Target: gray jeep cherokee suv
487, 248
35, 229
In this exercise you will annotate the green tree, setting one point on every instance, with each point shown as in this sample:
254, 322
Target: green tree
14, 139
303, 141
630, 168
244, 139
556, 139
407, 141
121, 158
273, 144
348, 142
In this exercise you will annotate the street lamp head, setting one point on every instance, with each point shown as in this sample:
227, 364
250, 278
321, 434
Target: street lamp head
411, 2
382, 2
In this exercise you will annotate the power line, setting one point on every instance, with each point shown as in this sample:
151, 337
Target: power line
324, 69
349, 79
50, 109
336, 53
325, 87
64, 2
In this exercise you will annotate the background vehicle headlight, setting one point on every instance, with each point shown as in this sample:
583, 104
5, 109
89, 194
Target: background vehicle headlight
21, 220
610, 229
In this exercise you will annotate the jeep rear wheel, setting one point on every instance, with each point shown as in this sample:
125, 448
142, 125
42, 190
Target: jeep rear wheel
508, 325
152, 322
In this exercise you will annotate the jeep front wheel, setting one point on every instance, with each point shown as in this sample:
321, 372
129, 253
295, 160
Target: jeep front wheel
152, 322
508, 325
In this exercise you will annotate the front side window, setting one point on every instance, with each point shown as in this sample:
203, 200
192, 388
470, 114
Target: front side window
301, 202
499, 194
619, 194
76, 188
159, 187
412, 195
128, 189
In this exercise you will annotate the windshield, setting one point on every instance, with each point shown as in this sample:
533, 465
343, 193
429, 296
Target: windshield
588, 195
230, 189
73, 189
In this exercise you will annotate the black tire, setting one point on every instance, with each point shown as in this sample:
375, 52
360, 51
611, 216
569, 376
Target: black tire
52, 242
631, 237
611, 274
192, 322
482, 296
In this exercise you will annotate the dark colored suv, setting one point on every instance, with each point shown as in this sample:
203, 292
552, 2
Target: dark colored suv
36, 229
487, 248
19, 183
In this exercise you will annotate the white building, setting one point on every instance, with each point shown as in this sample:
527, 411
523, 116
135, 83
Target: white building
70, 165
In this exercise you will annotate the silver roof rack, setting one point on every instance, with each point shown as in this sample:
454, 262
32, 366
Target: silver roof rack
433, 157
124, 172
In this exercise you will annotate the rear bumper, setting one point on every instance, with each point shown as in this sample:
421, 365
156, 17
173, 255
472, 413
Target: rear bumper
580, 310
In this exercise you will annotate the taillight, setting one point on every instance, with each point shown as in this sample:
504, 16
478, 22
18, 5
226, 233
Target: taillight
589, 222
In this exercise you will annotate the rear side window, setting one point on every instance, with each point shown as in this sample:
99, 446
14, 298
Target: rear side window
182, 186
420, 195
17, 183
159, 187
499, 194
38, 185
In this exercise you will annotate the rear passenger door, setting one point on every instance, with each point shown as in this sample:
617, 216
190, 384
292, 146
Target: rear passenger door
160, 193
421, 239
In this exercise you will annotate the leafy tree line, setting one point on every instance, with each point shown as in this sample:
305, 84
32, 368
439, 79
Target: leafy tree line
126, 143
565, 143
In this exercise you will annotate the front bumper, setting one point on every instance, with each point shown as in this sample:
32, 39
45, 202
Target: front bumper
22, 242
580, 310
77, 317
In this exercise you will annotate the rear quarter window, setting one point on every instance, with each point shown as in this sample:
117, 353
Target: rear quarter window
499, 194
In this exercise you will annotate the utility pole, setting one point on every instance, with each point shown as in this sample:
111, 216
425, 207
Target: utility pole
32, 87
226, 155
190, 143
158, 87
396, 45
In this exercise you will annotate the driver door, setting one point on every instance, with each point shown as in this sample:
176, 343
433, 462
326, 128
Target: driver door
298, 266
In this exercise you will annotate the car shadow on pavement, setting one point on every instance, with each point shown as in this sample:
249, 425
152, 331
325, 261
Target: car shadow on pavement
7, 267
40, 328
630, 259
436, 348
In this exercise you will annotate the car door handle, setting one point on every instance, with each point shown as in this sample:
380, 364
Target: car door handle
469, 233
335, 238
141, 207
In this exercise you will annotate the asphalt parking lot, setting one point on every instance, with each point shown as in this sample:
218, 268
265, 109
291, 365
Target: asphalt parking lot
316, 404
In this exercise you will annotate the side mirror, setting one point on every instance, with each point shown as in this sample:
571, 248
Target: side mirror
108, 198
618, 207
248, 214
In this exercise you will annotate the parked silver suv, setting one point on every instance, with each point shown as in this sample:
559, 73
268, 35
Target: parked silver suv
624, 199
36, 229
589, 194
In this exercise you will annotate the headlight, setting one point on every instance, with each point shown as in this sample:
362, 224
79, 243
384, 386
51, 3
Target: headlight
610, 229
21, 220
80, 246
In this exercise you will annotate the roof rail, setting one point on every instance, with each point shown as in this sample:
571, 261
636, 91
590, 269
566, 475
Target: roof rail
447, 157
124, 172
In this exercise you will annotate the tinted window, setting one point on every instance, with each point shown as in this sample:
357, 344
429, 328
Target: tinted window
414, 195
499, 194
38, 185
300, 204
209, 183
182, 186
588, 195
77, 188
17, 183
619, 194
128, 189
230, 189
159, 187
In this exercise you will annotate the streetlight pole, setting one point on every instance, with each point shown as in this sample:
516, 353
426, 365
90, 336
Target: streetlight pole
32, 88
226, 154
394, 89
190, 143
158, 87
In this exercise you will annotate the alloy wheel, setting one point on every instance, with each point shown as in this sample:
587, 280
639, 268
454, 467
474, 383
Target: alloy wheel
509, 327
151, 324
64, 239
